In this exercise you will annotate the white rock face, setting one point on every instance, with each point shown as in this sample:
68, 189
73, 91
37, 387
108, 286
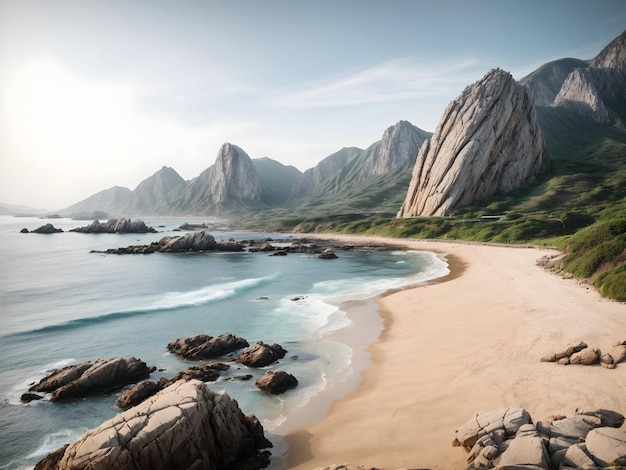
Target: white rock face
487, 141
234, 175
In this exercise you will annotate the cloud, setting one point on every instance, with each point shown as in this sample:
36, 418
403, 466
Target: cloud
400, 79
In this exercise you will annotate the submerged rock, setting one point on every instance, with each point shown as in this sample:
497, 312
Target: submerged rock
185, 426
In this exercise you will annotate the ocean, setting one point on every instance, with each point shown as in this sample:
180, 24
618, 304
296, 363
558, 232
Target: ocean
62, 304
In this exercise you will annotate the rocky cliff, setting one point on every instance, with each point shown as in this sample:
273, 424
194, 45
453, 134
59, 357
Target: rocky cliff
487, 141
546, 82
599, 91
234, 175
397, 150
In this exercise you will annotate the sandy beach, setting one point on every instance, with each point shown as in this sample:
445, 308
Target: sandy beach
470, 342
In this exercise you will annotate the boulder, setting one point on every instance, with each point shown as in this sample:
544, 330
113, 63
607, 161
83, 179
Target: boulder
504, 420
92, 377
566, 353
28, 397
327, 254
576, 456
261, 354
184, 426
607, 418
607, 446
586, 357
276, 382
206, 373
205, 346
137, 393
527, 450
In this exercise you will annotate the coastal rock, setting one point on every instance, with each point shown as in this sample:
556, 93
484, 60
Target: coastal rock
566, 353
276, 382
137, 393
46, 229
327, 254
206, 373
185, 426
122, 225
488, 141
28, 397
92, 377
581, 354
205, 346
200, 241
607, 446
261, 354
589, 439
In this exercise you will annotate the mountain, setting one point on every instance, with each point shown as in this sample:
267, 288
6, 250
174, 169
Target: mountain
373, 180
15, 209
234, 176
277, 180
147, 196
113, 201
323, 170
545, 83
487, 141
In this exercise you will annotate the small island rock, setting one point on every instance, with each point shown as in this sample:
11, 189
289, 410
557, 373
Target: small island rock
261, 354
205, 346
276, 382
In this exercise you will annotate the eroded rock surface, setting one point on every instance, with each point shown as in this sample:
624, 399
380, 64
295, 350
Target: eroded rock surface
185, 426
261, 354
276, 382
122, 225
488, 141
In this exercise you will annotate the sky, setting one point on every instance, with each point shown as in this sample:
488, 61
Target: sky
102, 93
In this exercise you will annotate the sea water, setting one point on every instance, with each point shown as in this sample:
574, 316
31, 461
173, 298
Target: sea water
61, 303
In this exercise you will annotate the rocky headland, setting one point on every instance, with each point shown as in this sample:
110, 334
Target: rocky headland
487, 141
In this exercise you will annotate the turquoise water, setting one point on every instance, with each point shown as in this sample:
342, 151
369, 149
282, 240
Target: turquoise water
61, 304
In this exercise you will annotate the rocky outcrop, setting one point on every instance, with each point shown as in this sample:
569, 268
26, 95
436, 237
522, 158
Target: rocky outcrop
92, 377
276, 382
205, 346
185, 426
47, 228
488, 141
506, 438
234, 175
123, 225
579, 353
200, 241
261, 354
138, 393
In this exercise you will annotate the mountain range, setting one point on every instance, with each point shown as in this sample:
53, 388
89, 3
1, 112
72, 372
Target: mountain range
375, 179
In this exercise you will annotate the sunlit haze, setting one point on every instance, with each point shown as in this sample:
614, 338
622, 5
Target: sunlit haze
100, 93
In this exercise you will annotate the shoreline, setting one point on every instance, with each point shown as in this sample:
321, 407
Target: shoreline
470, 341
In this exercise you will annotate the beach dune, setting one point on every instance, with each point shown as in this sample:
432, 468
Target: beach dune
467, 343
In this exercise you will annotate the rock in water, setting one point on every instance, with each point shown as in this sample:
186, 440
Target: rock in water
276, 382
92, 377
205, 346
185, 426
487, 141
261, 354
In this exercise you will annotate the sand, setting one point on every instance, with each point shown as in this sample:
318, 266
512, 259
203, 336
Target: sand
470, 343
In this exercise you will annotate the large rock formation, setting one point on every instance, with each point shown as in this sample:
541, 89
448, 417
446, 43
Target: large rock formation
545, 83
506, 438
200, 241
261, 354
92, 377
185, 426
234, 175
488, 141
147, 196
113, 200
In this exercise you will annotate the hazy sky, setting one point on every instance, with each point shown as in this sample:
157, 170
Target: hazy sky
98, 93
